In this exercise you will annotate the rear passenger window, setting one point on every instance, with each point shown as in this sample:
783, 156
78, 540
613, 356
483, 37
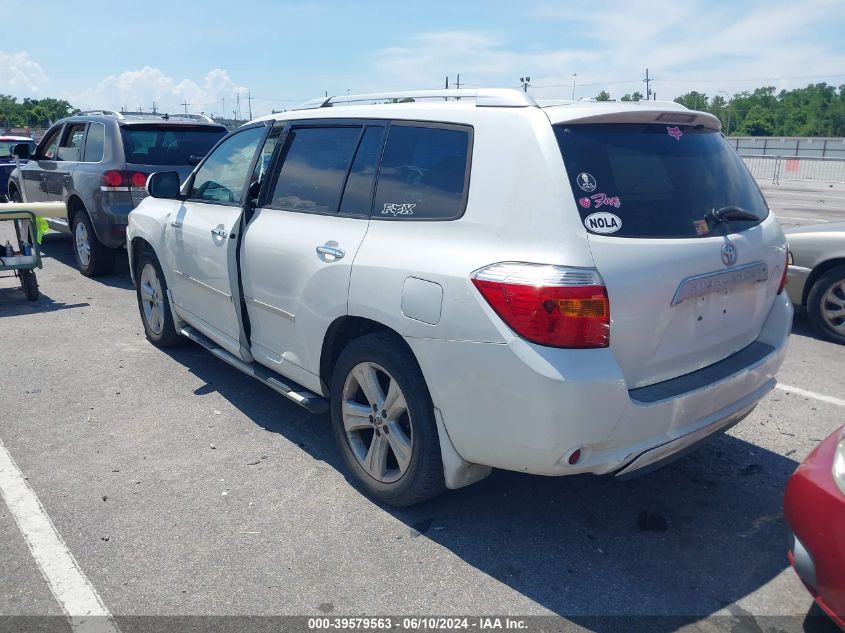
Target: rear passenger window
423, 173
94, 143
315, 166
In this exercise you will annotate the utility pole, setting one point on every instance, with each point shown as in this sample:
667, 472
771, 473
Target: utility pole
249, 101
526, 82
647, 81
223, 109
238, 106
185, 105
154, 107
574, 75
458, 82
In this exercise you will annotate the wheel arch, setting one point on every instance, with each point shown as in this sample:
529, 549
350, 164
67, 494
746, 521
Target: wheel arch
817, 272
340, 333
75, 205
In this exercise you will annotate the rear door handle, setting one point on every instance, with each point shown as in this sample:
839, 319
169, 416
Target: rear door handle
219, 232
176, 225
329, 252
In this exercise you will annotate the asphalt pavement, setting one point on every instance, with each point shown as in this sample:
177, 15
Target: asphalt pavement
182, 487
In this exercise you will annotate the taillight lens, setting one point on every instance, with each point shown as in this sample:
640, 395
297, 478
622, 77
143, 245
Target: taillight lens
138, 180
117, 178
839, 462
783, 276
113, 178
556, 306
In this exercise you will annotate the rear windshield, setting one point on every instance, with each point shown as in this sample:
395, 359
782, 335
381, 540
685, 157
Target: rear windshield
6, 147
646, 180
168, 144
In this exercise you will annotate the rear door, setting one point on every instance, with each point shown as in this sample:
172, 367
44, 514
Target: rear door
299, 245
201, 239
69, 154
685, 290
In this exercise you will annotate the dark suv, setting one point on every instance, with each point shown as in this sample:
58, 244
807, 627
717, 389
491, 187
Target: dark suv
98, 162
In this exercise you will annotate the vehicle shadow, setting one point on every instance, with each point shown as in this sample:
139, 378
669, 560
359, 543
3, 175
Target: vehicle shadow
58, 246
801, 326
676, 545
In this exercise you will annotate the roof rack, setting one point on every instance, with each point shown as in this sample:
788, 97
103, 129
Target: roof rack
193, 117
484, 97
100, 112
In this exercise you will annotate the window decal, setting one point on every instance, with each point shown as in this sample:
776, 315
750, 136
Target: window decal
400, 208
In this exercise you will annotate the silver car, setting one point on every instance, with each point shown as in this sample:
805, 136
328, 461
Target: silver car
816, 276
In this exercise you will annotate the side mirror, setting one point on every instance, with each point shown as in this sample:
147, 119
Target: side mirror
21, 150
163, 184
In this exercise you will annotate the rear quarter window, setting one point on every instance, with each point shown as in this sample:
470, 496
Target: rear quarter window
424, 173
655, 181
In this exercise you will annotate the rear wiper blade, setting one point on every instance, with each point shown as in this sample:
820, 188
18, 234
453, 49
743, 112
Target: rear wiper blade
726, 214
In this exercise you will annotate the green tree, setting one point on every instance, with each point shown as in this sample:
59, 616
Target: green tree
758, 122
603, 96
637, 96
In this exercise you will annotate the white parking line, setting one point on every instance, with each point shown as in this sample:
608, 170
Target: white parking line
811, 394
71, 588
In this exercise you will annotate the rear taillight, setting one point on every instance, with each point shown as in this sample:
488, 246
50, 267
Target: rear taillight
112, 178
118, 180
783, 276
839, 462
556, 306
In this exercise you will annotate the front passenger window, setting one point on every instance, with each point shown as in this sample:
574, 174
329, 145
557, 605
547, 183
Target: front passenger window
50, 145
223, 175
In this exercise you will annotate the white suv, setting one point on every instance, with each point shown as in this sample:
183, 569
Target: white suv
477, 283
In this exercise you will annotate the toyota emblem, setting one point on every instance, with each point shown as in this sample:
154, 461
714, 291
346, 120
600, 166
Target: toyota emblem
728, 254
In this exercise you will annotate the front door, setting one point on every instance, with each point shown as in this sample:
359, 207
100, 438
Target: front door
301, 241
201, 238
34, 173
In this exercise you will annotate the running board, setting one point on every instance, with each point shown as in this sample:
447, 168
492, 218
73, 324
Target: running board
301, 396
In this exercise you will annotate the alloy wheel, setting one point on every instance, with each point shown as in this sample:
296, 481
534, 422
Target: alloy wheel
152, 299
377, 423
83, 244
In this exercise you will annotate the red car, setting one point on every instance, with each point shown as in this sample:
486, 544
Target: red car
815, 510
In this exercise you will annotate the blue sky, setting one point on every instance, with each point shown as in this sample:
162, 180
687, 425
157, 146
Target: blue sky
283, 52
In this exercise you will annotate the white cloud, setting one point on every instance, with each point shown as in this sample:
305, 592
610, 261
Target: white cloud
20, 74
694, 45
134, 88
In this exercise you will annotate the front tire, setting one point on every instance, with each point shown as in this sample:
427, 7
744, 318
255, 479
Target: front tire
826, 305
92, 256
151, 291
383, 420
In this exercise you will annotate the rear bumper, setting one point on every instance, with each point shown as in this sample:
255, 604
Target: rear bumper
525, 407
815, 510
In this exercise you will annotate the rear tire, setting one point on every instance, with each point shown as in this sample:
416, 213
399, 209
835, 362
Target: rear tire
92, 256
151, 291
29, 284
392, 449
826, 305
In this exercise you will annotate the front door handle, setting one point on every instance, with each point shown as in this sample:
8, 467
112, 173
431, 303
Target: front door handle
176, 225
329, 252
219, 232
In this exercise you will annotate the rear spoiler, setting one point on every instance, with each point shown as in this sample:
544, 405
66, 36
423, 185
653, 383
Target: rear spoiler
636, 112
